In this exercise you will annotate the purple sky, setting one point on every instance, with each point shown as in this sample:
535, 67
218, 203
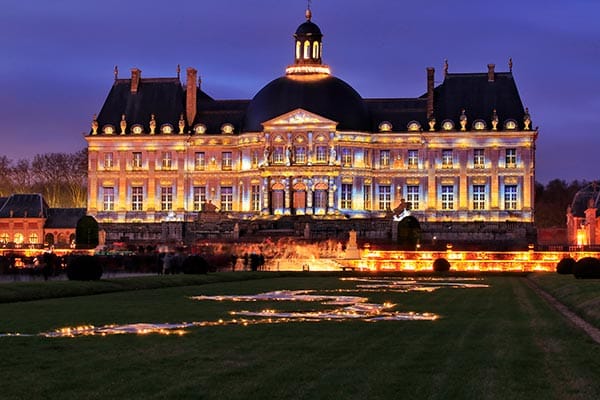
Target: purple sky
57, 60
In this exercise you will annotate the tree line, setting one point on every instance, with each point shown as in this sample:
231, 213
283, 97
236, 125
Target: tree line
60, 177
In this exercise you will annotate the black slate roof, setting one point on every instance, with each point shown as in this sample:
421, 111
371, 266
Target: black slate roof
331, 98
24, 205
64, 217
478, 97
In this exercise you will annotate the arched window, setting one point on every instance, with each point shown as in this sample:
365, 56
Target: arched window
49, 239
33, 238
298, 50
19, 238
306, 50
315, 50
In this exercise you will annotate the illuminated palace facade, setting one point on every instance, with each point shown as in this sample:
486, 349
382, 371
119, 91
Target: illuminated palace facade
308, 144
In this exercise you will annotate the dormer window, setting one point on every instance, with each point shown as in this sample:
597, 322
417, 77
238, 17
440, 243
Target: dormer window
200, 129
227, 128
414, 126
137, 129
447, 125
166, 129
510, 124
108, 129
479, 125
385, 126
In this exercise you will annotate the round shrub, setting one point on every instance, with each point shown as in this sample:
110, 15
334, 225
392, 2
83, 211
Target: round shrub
84, 268
587, 268
565, 266
441, 265
195, 265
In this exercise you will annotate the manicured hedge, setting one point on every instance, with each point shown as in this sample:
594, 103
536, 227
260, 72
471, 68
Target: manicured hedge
587, 268
441, 265
565, 266
84, 268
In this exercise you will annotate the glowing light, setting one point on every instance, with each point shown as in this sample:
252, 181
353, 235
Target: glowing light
307, 70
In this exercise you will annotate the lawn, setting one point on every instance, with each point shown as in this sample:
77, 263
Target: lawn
500, 342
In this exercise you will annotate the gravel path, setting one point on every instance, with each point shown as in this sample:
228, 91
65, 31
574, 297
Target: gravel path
576, 320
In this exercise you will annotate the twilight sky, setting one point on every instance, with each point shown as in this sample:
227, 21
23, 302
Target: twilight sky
57, 59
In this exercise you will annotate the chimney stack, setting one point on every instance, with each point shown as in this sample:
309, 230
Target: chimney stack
430, 87
491, 74
190, 95
136, 75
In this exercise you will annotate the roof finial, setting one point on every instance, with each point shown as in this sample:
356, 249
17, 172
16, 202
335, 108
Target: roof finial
510, 64
116, 72
445, 67
308, 12
178, 71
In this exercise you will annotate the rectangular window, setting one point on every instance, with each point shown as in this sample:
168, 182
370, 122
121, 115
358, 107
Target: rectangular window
137, 160
384, 158
510, 197
199, 160
346, 157
385, 197
255, 197
226, 198
478, 197
447, 158
320, 197
367, 196
137, 198
278, 155
321, 154
198, 197
511, 158
226, 161
166, 198
255, 159
447, 197
108, 200
346, 195
167, 160
300, 156
109, 161
413, 159
412, 197
478, 158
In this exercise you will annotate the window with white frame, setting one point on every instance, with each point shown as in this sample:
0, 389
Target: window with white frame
384, 158
412, 196
478, 158
199, 160
167, 160
346, 157
510, 197
226, 198
33, 238
367, 197
346, 195
321, 154
108, 198
226, 161
300, 156
255, 197
198, 197
385, 197
412, 161
278, 155
447, 197
109, 161
255, 159
166, 198
511, 158
137, 198
478, 197
447, 158
136, 161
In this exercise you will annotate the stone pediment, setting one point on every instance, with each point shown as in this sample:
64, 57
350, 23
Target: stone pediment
299, 118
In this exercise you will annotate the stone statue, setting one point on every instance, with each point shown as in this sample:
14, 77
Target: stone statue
123, 124
289, 154
494, 120
94, 125
332, 155
181, 124
152, 124
526, 120
266, 154
463, 120
431, 123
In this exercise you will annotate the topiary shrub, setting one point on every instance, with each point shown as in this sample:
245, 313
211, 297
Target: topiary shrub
441, 265
587, 268
84, 268
565, 266
195, 265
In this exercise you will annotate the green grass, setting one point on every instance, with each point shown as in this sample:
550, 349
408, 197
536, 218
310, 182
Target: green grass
501, 342
582, 296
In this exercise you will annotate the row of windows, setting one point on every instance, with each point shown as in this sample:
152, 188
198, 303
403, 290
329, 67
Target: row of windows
384, 197
19, 238
298, 155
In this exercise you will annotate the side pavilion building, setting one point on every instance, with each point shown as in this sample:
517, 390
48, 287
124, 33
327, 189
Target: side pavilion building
459, 160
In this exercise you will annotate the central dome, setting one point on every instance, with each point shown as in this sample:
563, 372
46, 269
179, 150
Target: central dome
324, 95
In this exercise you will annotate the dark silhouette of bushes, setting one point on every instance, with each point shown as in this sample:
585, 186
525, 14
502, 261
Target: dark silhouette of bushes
84, 268
587, 268
195, 265
441, 265
565, 266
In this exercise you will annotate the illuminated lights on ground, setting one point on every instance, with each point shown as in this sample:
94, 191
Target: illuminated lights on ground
348, 308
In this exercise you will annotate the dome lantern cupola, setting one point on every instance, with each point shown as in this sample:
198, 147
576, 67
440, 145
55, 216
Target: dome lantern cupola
308, 49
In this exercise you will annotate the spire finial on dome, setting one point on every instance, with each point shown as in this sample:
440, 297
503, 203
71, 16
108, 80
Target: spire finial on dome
308, 12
